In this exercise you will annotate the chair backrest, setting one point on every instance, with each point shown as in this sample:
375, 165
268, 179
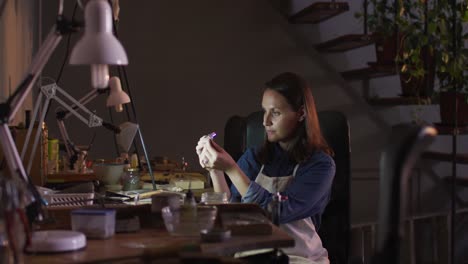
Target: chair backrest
404, 147
244, 132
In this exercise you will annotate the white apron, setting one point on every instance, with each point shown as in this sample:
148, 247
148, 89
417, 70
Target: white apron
308, 246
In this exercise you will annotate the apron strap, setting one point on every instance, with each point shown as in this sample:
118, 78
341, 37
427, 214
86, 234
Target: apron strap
295, 170
261, 169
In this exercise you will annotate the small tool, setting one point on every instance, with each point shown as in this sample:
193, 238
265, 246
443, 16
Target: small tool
212, 135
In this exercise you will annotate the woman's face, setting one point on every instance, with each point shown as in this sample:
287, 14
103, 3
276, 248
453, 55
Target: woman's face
279, 119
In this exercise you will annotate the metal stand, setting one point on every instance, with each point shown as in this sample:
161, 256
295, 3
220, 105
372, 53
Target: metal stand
148, 163
9, 109
127, 134
51, 91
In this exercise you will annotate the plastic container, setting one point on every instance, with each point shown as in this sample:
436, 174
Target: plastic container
214, 198
108, 173
94, 223
181, 223
161, 200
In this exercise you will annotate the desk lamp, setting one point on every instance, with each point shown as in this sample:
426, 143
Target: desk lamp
117, 97
72, 106
125, 138
98, 48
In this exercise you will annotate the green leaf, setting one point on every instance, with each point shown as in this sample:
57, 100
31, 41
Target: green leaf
465, 16
431, 28
404, 68
445, 57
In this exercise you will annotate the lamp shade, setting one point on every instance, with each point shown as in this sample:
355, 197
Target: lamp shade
116, 96
98, 44
127, 133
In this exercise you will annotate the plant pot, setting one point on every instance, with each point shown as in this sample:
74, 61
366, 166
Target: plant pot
422, 86
385, 48
447, 108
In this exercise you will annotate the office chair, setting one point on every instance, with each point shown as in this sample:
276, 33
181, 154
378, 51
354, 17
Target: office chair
404, 147
241, 133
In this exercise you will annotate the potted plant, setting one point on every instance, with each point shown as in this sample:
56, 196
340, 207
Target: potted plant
452, 63
433, 44
382, 25
401, 37
416, 23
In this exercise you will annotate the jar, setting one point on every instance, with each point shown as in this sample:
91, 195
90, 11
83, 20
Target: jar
130, 179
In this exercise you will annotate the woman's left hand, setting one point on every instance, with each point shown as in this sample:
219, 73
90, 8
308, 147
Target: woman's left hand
215, 157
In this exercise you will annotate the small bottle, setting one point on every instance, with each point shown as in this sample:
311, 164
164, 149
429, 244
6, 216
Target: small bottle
127, 164
134, 160
53, 154
188, 211
190, 199
124, 158
130, 179
44, 152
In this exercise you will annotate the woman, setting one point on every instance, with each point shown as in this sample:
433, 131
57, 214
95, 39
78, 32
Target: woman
294, 160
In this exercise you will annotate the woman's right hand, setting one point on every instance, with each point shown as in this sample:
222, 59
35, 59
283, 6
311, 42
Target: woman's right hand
215, 157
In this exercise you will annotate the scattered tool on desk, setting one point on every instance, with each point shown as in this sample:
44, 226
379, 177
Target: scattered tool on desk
131, 195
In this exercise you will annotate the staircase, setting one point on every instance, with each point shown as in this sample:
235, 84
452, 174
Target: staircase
425, 233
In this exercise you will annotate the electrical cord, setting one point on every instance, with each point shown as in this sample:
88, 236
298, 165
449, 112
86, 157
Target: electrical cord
115, 136
67, 49
454, 139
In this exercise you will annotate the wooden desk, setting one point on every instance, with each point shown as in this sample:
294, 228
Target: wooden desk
158, 243
159, 176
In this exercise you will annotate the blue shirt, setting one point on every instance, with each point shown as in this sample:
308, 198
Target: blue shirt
308, 193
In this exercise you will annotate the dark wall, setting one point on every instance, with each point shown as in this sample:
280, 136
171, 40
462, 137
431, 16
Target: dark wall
192, 65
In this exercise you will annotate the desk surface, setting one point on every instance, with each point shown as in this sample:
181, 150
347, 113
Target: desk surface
158, 243
154, 241
158, 175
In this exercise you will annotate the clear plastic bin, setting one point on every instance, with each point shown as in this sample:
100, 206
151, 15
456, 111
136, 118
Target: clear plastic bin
94, 223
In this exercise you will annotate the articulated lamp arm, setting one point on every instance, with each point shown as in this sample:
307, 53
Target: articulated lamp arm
9, 109
72, 106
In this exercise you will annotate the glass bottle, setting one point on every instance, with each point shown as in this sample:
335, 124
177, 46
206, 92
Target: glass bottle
130, 179
44, 152
188, 212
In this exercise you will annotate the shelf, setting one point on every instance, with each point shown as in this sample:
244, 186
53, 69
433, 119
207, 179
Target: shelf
460, 158
392, 101
345, 43
318, 12
64, 177
444, 129
373, 71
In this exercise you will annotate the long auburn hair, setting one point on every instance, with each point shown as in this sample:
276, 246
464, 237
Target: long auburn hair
308, 136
